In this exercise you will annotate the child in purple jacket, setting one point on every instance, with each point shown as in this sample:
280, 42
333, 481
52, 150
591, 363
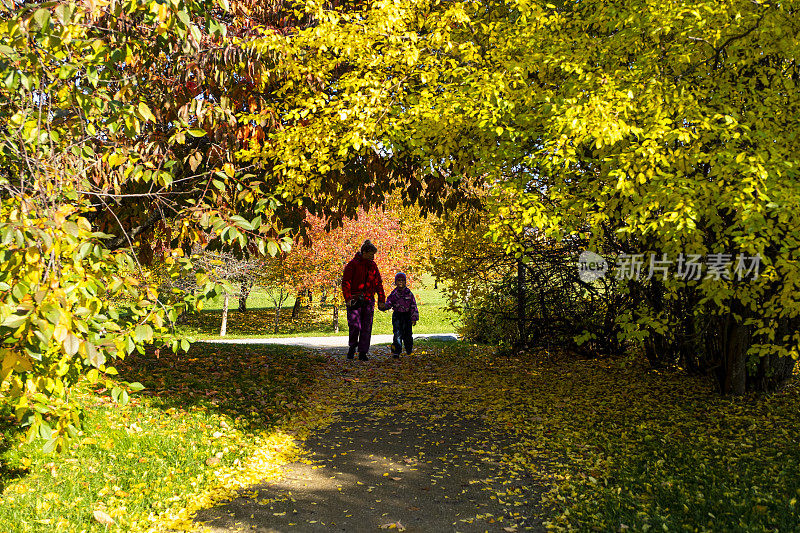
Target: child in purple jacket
404, 316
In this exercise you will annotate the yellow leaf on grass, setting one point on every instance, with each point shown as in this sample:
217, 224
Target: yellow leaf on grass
103, 518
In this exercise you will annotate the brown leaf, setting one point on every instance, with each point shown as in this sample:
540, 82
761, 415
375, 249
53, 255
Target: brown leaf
212, 461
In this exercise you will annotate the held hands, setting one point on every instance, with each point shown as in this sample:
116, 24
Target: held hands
382, 307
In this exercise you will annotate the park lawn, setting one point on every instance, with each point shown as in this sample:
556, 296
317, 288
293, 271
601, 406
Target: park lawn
613, 445
207, 424
622, 447
315, 320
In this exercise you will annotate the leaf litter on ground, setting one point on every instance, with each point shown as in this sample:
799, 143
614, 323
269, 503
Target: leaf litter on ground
615, 445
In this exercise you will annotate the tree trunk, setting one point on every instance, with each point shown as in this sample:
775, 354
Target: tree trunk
278, 306
323, 298
735, 359
690, 351
224, 326
244, 292
735, 340
770, 372
773, 371
335, 318
297, 304
651, 348
522, 333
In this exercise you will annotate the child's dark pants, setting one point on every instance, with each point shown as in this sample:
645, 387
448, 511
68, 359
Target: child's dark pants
401, 324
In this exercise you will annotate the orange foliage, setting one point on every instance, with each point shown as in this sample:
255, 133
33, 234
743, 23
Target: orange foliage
322, 260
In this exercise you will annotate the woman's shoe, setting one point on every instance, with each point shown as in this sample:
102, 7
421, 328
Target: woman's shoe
363, 357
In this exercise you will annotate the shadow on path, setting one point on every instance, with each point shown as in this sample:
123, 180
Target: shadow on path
390, 465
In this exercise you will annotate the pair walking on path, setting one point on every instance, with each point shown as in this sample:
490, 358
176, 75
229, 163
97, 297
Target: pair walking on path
361, 283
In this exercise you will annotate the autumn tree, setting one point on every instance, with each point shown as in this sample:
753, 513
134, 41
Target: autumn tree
114, 144
279, 281
643, 128
72, 299
682, 151
230, 273
213, 111
323, 257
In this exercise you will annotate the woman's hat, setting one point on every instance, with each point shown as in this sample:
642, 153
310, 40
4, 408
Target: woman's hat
368, 247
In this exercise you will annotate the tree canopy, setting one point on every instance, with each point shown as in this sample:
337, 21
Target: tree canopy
641, 127
645, 128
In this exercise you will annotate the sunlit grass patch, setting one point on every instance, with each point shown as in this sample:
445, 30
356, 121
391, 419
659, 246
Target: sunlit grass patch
313, 320
207, 424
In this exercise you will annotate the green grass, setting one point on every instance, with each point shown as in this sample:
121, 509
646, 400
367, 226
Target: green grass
315, 320
614, 445
621, 447
154, 455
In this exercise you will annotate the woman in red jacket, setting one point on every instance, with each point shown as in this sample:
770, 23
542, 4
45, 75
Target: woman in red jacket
360, 282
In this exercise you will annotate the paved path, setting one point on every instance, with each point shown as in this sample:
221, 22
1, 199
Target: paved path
393, 460
329, 342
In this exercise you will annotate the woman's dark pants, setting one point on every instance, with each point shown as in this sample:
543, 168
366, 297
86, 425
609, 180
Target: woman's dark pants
359, 321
